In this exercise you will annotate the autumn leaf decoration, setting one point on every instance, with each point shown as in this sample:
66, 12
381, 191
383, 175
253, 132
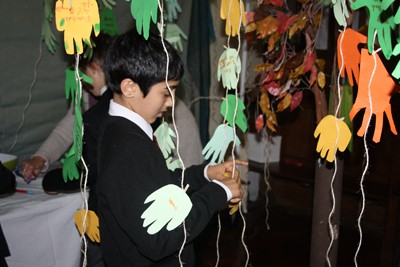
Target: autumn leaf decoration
287, 70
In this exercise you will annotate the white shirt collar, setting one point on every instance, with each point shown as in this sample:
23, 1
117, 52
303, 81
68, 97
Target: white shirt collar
121, 111
103, 89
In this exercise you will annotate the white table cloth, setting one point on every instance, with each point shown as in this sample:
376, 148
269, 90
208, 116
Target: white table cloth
39, 228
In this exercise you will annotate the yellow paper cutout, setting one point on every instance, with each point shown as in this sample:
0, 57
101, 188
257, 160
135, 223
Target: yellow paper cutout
333, 134
91, 224
231, 11
170, 205
77, 22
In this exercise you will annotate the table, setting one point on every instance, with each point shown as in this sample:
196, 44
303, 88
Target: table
39, 228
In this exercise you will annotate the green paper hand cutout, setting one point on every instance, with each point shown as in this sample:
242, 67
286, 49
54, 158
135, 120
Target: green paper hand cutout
396, 52
381, 87
375, 8
228, 114
229, 67
174, 35
78, 122
108, 22
71, 86
173, 164
143, 11
171, 205
219, 143
173, 8
164, 136
340, 11
70, 169
77, 22
329, 135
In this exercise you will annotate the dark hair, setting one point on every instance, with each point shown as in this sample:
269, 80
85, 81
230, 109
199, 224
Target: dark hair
97, 52
143, 61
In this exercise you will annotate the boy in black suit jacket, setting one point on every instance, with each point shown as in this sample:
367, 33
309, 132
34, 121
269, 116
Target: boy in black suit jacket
131, 166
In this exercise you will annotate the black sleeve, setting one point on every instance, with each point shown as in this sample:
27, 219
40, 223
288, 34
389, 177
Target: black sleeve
7, 180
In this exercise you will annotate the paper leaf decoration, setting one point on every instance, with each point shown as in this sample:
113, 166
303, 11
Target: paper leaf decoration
217, 146
233, 12
333, 134
228, 108
260, 123
383, 28
347, 46
77, 22
381, 89
229, 67
143, 11
91, 224
171, 205
164, 135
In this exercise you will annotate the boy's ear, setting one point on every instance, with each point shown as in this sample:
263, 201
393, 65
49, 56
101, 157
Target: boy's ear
129, 88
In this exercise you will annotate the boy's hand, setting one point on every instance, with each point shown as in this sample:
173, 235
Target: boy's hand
235, 187
32, 167
218, 172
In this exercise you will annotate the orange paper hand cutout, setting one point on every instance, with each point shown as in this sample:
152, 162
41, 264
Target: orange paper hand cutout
91, 224
234, 13
381, 89
333, 134
351, 55
77, 22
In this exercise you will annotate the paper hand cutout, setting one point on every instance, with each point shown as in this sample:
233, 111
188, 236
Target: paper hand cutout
219, 143
396, 52
234, 13
70, 169
340, 11
71, 85
329, 135
228, 111
143, 11
375, 7
171, 205
173, 8
381, 89
173, 164
108, 22
77, 22
351, 55
164, 136
174, 35
91, 224
229, 67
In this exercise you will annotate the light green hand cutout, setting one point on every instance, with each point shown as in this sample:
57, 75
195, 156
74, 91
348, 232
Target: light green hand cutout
219, 143
70, 169
228, 114
173, 164
375, 8
340, 11
229, 67
174, 35
171, 205
173, 8
143, 11
164, 136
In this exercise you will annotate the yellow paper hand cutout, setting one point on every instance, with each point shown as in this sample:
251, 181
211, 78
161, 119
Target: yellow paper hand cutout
328, 136
171, 205
233, 12
77, 22
91, 224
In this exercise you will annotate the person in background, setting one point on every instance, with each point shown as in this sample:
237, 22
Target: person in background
131, 166
61, 138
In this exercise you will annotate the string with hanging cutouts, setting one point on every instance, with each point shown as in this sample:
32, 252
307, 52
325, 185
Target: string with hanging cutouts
161, 30
234, 134
374, 52
333, 229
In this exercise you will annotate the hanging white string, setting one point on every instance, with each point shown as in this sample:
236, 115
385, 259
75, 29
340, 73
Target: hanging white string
83, 182
161, 29
29, 97
366, 155
267, 176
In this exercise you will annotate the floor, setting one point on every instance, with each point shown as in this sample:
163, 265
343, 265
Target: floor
286, 243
